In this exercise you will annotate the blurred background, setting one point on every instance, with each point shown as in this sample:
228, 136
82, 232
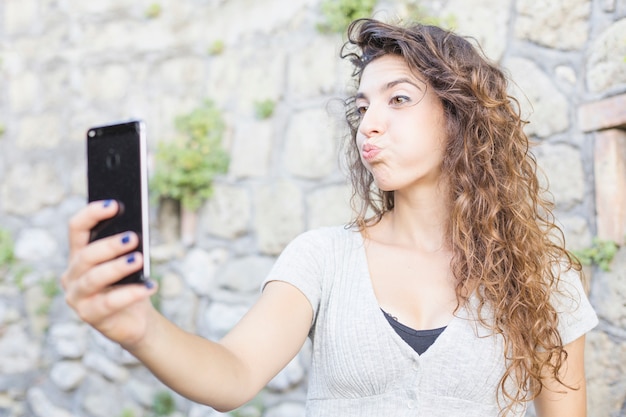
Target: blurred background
265, 80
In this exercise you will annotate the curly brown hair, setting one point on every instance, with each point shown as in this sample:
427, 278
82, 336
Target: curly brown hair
501, 230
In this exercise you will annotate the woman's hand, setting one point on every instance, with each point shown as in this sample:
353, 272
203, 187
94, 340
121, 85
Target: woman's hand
122, 312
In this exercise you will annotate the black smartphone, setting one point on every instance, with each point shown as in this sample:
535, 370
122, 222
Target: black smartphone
116, 170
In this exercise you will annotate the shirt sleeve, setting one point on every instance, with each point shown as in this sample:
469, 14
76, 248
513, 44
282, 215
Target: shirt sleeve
576, 315
301, 265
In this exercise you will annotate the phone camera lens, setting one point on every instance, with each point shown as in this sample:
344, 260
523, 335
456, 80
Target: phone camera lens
99, 132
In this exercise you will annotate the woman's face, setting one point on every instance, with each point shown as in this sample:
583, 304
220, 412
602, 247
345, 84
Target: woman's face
401, 134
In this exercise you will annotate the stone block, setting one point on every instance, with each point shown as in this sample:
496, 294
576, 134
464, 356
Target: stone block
251, 150
39, 132
310, 149
564, 174
42, 406
605, 361
23, 91
279, 215
18, 352
181, 310
227, 213
313, 69
608, 5
245, 275
108, 83
185, 73
67, 375
236, 21
287, 409
605, 66
558, 24
486, 21
97, 400
21, 188
239, 78
329, 206
56, 87
541, 102
603, 114
68, 340
566, 73
105, 367
97, 7
19, 16
576, 232
36, 245
610, 184
218, 319
289, 376
608, 291
199, 268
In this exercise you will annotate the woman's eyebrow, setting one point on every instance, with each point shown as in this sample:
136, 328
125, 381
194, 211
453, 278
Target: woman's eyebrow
393, 83
390, 85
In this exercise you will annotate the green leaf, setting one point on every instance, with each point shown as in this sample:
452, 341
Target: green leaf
185, 168
600, 253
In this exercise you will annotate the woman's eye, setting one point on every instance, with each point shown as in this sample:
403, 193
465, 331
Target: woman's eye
400, 100
360, 110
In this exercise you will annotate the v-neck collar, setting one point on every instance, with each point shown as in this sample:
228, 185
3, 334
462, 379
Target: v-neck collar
381, 322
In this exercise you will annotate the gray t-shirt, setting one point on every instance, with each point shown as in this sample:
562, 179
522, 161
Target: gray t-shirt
362, 368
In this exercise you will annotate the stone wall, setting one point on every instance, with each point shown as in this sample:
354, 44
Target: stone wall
68, 64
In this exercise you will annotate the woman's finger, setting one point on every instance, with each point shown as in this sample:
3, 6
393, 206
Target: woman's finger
100, 277
97, 309
98, 252
81, 223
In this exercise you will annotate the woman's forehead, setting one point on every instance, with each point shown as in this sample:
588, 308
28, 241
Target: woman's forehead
388, 68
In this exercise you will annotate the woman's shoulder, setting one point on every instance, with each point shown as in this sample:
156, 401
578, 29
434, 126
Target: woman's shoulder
339, 234
571, 303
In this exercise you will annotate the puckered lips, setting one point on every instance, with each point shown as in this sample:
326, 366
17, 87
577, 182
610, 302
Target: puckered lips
369, 152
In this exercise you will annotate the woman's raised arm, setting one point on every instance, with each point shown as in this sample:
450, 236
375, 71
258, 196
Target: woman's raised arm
223, 374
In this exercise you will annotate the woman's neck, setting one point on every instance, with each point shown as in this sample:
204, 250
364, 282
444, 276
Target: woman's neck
419, 221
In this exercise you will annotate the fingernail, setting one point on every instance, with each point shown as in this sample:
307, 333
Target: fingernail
125, 239
149, 284
130, 259
107, 203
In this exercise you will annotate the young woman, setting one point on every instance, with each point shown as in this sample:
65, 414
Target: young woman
451, 299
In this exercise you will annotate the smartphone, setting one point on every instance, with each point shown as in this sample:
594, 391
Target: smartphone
116, 170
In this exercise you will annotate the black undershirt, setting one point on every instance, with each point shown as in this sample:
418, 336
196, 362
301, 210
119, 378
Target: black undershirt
419, 340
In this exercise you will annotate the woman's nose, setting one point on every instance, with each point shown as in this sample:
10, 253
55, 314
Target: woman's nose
372, 122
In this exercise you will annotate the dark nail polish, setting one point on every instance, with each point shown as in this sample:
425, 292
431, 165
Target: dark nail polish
130, 259
125, 239
107, 203
149, 284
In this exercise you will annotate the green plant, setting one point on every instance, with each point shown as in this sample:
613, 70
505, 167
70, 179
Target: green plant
264, 108
163, 404
185, 167
157, 298
9, 265
600, 253
7, 254
153, 11
418, 13
339, 13
3, 129
216, 48
127, 412
51, 289
254, 408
